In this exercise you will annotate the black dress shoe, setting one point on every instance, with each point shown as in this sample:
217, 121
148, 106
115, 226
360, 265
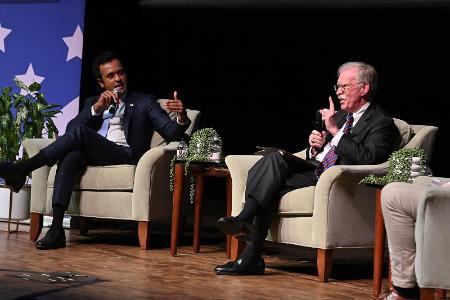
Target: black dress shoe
55, 238
241, 230
240, 266
13, 179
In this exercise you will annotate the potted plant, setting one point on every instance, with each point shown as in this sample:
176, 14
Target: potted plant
205, 145
21, 117
403, 166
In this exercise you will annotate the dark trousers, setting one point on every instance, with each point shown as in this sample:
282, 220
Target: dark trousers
74, 151
269, 180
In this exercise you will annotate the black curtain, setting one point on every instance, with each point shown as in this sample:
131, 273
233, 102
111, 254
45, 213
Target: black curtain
258, 74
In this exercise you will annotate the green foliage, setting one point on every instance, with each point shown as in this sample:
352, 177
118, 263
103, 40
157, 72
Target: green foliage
32, 117
399, 167
200, 148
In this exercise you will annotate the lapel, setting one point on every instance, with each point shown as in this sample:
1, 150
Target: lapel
341, 118
129, 101
363, 120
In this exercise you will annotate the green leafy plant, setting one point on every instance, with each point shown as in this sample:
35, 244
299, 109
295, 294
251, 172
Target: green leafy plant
399, 167
24, 116
201, 146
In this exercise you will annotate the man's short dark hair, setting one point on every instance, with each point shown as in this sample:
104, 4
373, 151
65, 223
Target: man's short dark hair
103, 58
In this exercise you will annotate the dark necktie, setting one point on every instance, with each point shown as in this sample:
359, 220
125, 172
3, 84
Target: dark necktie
331, 157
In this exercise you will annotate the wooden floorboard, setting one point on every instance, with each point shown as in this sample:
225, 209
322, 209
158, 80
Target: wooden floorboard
124, 271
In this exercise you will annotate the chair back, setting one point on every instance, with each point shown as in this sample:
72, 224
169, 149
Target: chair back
420, 136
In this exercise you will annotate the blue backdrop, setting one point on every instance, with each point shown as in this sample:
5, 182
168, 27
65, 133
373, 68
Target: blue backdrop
42, 41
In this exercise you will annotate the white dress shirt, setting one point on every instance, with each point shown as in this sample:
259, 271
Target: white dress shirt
335, 140
112, 127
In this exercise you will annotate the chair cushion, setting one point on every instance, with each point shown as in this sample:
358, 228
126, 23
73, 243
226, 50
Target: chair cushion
405, 130
299, 202
117, 178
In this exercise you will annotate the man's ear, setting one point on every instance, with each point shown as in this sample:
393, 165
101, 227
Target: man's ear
365, 89
100, 83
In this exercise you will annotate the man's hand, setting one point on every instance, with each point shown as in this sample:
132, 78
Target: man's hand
177, 106
328, 118
316, 141
105, 100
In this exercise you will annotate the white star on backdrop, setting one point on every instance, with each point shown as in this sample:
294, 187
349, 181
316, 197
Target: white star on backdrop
75, 44
29, 77
3, 34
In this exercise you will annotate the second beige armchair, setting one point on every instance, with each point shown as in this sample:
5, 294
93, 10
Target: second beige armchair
336, 213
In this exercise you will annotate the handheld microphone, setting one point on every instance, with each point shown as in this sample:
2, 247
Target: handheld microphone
112, 107
319, 124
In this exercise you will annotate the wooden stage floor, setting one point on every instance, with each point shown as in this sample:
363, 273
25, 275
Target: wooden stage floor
120, 270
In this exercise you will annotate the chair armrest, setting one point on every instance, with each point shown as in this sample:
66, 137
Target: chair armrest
172, 146
342, 205
432, 238
332, 175
144, 180
39, 176
239, 165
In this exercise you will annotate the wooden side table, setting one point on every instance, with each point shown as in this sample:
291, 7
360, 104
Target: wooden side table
199, 170
379, 242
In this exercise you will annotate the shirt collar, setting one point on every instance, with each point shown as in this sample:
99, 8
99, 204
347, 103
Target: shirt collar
357, 115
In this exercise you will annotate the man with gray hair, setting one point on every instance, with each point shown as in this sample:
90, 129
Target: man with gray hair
361, 133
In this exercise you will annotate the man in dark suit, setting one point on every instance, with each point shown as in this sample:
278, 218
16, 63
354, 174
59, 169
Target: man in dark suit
360, 133
127, 121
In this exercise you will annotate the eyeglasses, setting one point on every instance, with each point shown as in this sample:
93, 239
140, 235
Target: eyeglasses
344, 86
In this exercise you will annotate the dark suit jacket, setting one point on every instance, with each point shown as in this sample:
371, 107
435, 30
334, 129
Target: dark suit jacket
372, 139
143, 115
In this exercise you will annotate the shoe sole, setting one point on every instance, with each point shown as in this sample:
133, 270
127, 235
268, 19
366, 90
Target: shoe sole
259, 272
235, 230
60, 245
16, 189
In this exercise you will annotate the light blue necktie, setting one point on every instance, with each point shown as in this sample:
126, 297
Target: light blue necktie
103, 131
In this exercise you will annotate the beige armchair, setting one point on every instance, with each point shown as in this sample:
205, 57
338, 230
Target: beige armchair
432, 264
129, 192
336, 213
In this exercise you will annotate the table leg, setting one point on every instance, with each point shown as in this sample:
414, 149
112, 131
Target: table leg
198, 211
380, 235
177, 203
229, 204
10, 210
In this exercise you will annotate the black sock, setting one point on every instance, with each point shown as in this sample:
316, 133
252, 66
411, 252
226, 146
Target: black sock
249, 252
28, 165
58, 216
249, 211
413, 292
